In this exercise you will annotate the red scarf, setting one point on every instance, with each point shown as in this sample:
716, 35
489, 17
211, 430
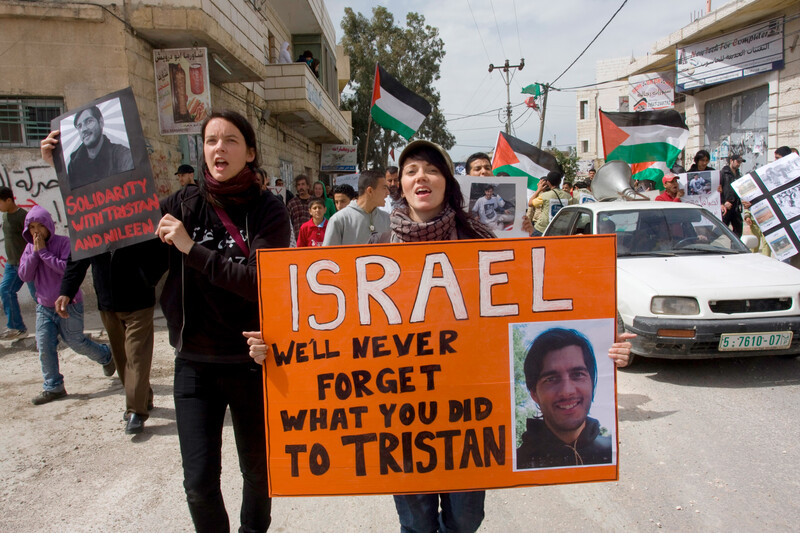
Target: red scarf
233, 191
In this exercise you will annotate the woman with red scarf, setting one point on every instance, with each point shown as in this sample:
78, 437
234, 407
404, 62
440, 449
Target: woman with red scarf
210, 293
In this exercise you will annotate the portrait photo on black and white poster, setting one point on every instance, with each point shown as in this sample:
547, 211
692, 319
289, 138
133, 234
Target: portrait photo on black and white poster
104, 175
95, 143
789, 201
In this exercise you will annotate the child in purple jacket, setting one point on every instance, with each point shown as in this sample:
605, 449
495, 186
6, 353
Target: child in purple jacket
43, 262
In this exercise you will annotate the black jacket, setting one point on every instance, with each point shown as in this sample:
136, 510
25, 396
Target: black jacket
211, 295
124, 279
540, 448
727, 176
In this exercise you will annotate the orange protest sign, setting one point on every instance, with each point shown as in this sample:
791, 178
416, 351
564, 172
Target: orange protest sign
402, 368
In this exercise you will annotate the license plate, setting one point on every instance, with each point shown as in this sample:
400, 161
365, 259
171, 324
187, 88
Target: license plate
755, 341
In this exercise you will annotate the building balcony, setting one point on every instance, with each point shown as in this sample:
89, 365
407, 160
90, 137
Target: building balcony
229, 29
295, 96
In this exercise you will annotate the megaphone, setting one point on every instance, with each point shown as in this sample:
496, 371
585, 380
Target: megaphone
613, 181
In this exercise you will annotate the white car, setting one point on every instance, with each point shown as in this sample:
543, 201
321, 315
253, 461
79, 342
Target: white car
687, 286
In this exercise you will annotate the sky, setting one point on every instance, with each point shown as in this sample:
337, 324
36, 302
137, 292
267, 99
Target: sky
548, 34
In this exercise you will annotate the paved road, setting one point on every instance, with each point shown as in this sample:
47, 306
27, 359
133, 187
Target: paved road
704, 446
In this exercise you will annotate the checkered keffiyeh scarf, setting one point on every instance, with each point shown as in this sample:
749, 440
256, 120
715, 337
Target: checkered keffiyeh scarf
440, 228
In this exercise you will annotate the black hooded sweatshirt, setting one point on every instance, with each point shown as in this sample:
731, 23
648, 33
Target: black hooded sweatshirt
540, 448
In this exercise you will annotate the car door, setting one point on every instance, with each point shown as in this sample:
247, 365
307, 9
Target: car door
563, 223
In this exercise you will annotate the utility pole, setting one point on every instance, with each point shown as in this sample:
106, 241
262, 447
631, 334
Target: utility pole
507, 69
544, 112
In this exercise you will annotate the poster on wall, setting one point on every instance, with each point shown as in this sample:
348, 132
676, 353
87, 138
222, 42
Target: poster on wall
655, 90
427, 367
749, 51
105, 177
774, 192
338, 158
183, 91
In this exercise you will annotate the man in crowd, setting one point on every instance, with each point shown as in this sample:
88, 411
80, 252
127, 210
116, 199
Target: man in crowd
672, 191
185, 175
97, 157
393, 184
298, 206
731, 204
357, 222
550, 198
13, 224
342, 196
561, 377
479, 164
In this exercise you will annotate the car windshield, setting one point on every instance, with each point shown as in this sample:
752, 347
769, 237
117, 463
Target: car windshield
668, 232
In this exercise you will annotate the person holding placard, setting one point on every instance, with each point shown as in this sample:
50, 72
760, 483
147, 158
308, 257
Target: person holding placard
211, 291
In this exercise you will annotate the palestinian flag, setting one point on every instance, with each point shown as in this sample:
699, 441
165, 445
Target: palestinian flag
519, 158
649, 141
395, 107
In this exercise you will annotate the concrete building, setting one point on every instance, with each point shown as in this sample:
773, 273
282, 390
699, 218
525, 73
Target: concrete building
751, 114
55, 56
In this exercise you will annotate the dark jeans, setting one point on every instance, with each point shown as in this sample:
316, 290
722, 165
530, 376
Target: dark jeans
733, 218
462, 512
203, 391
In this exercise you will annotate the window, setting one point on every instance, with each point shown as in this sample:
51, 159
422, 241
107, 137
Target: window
324, 54
584, 146
738, 124
25, 122
584, 108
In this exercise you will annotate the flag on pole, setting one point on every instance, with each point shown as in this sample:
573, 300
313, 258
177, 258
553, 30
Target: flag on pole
518, 158
395, 107
649, 141
534, 88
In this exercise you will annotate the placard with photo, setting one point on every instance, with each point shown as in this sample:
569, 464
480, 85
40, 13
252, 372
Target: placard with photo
764, 215
747, 188
781, 244
104, 175
700, 188
498, 202
774, 191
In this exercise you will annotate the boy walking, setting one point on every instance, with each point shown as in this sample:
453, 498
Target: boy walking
13, 222
43, 262
312, 232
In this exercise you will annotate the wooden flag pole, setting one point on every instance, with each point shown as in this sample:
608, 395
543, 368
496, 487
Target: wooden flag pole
366, 144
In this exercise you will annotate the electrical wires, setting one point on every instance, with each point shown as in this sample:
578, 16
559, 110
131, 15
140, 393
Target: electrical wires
591, 42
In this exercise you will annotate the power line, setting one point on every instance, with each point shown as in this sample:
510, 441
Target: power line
478, 30
592, 41
516, 22
496, 25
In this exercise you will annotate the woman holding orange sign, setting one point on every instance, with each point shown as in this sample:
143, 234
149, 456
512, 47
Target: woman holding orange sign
432, 209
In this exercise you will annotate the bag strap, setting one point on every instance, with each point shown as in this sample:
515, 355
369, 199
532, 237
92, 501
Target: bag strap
232, 230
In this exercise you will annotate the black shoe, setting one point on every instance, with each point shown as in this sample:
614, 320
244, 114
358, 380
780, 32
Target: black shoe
135, 425
47, 396
109, 368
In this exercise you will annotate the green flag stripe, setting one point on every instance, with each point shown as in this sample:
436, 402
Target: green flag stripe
642, 153
511, 170
386, 120
654, 174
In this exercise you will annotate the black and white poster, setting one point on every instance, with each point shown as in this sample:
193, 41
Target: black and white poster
104, 175
774, 192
